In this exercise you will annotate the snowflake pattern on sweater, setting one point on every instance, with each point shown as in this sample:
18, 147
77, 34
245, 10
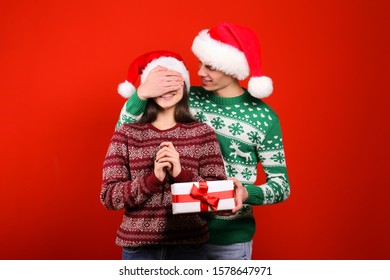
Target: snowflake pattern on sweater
249, 134
248, 131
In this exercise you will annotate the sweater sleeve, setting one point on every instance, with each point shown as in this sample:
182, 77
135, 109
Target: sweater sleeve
118, 189
271, 154
132, 110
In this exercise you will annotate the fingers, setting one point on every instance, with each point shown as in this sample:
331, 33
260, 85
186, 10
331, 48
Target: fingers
160, 81
238, 205
241, 194
237, 184
166, 165
171, 82
168, 153
163, 165
166, 150
167, 144
169, 88
167, 78
166, 72
172, 161
161, 169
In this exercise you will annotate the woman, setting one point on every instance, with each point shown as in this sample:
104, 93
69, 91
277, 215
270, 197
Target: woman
165, 146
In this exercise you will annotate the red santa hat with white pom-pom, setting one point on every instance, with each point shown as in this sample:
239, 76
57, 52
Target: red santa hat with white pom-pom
147, 62
234, 50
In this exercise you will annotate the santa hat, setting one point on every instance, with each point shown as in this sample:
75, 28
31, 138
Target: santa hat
234, 50
145, 63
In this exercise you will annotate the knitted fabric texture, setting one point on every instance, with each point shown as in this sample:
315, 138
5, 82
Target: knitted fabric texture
129, 182
249, 132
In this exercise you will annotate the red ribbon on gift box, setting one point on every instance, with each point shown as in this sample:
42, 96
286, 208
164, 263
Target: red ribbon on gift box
201, 194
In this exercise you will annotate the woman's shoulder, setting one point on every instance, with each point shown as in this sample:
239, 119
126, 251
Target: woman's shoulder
129, 127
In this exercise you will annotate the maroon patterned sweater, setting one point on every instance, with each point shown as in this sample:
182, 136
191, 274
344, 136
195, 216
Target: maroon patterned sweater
129, 182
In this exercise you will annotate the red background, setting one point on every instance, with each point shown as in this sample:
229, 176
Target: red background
60, 64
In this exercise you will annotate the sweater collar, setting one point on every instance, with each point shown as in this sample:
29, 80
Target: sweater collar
164, 130
245, 97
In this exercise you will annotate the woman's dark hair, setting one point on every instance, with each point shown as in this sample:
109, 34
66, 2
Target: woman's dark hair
182, 112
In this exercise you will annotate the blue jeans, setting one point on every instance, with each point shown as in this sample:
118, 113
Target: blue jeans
236, 251
165, 252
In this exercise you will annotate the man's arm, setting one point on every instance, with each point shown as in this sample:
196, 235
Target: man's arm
272, 157
132, 110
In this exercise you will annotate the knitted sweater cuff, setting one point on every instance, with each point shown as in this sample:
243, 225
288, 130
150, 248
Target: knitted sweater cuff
255, 195
184, 176
136, 104
153, 183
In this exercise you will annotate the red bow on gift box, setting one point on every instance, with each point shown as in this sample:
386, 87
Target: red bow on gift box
205, 199
202, 196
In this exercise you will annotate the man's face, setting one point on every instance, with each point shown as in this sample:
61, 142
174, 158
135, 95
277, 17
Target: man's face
212, 79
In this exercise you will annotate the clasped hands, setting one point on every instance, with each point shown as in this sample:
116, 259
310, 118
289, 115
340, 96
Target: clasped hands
167, 161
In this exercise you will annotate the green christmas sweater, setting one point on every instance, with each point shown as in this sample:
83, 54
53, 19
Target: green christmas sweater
249, 133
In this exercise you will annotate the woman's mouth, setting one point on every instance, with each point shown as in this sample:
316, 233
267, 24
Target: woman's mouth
167, 96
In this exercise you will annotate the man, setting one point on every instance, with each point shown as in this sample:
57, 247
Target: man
248, 130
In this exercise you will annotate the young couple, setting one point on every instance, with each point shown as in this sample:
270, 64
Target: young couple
165, 144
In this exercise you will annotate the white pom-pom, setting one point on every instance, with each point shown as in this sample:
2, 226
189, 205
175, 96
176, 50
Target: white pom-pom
126, 89
260, 87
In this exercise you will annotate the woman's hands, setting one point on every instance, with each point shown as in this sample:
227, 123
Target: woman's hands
167, 161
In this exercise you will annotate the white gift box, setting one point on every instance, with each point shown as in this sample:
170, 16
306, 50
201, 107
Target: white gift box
194, 197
